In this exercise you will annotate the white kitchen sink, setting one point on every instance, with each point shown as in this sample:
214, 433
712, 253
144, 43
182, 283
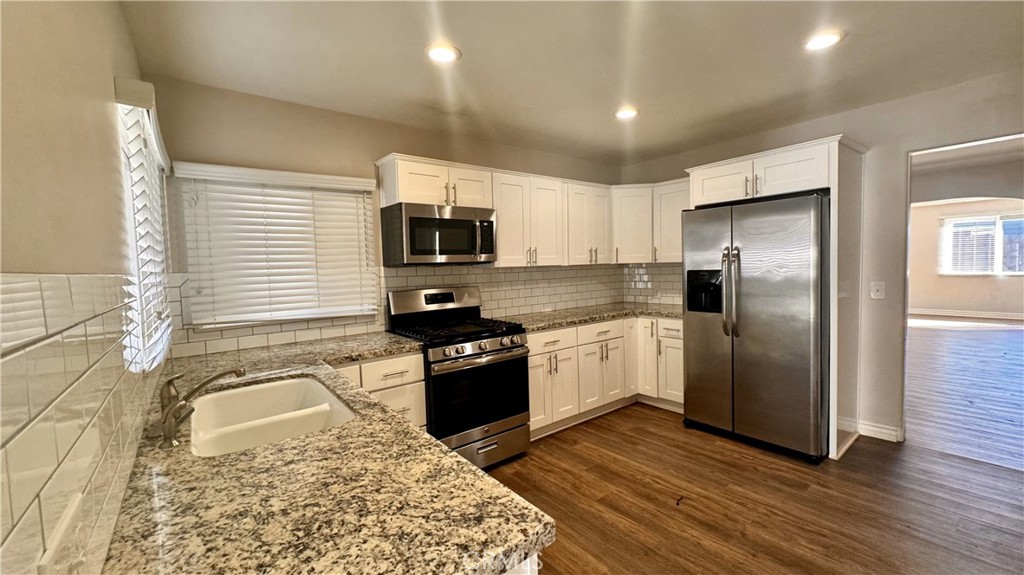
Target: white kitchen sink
236, 419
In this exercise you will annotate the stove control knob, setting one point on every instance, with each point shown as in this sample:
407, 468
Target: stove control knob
515, 339
460, 349
447, 352
504, 341
484, 346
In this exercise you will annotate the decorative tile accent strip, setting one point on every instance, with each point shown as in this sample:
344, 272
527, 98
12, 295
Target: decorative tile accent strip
73, 402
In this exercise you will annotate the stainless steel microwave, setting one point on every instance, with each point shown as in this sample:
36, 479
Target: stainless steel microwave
415, 234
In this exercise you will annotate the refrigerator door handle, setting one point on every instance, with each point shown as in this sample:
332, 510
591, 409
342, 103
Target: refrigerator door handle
725, 291
733, 273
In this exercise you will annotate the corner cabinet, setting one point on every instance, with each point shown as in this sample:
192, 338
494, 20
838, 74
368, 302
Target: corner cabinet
422, 182
632, 219
793, 169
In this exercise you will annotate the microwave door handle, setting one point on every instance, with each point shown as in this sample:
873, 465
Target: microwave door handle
478, 250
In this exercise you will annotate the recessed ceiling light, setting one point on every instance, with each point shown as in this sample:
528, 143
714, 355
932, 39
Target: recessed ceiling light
443, 53
626, 113
823, 40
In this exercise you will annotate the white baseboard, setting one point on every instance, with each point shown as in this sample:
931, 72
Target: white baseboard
879, 431
662, 403
968, 314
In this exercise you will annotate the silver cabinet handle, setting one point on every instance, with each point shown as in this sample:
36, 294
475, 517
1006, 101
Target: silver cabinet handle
394, 373
590, 255
675, 329
534, 255
404, 410
659, 347
528, 256
725, 291
604, 331
455, 195
746, 186
655, 254
595, 256
735, 271
552, 342
616, 255
549, 365
652, 328
757, 184
447, 195
556, 363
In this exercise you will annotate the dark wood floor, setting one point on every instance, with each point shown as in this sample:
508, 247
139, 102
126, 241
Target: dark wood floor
965, 392
635, 492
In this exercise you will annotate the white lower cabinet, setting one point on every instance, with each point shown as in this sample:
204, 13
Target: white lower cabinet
408, 400
647, 357
670, 369
554, 387
396, 382
602, 373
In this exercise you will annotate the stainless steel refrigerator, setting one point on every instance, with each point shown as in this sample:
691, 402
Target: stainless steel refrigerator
755, 344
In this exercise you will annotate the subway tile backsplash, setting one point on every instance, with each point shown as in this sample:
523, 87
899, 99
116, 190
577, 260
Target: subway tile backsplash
74, 397
505, 291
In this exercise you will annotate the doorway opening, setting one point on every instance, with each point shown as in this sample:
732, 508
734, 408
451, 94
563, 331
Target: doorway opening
964, 377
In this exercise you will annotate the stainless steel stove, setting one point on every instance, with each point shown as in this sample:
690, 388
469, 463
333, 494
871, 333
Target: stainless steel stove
477, 378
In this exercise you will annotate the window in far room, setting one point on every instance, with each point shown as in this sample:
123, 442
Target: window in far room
982, 245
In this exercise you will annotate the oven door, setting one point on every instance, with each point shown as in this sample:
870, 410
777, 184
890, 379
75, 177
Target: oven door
469, 399
447, 234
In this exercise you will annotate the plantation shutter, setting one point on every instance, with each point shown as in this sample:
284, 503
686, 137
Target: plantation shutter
143, 172
263, 252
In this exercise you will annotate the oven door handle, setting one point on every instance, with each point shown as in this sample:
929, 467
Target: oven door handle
439, 368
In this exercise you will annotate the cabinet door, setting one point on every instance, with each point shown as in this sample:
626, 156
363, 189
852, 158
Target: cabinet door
565, 385
633, 361
631, 219
721, 183
791, 171
614, 371
422, 183
599, 233
670, 369
410, 401
669, 202
579, 251
540, 390
591, 375
648, 358
470, 188
547, 221
512, 213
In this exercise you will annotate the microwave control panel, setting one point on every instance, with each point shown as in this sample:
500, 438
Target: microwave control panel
486, 237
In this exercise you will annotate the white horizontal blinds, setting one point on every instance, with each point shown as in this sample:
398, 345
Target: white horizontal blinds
144, 189
969, 245
267, 253
1011, 242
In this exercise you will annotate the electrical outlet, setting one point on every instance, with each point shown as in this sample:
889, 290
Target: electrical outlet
877, 290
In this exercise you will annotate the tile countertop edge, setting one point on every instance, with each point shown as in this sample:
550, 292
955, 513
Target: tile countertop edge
542, 321
402, 502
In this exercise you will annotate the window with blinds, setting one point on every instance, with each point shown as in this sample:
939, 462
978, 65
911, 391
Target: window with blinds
268, 252
982, 245
143, 173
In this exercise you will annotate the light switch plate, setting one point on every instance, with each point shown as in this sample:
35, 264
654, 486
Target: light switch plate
877, 290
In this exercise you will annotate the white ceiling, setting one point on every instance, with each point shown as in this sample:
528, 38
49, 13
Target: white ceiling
549, 75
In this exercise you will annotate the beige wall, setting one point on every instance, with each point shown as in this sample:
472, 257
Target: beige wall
996, 180
970, 111
209, 125
61, 198
972, 296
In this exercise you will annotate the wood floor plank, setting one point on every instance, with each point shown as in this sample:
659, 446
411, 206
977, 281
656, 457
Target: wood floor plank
635, 492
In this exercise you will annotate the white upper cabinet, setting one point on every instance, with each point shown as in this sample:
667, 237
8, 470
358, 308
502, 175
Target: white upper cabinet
804, 168
512, 213
547, 222
632, 221
669, 200
423, 182
588, 229
722, 183
782, 171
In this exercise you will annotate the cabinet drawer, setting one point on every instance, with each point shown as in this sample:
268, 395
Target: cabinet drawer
392, 372
408, 400
670, 328
599, 331
351, 372
551, 340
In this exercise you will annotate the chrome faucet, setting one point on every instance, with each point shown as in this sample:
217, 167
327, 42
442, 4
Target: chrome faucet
179, 409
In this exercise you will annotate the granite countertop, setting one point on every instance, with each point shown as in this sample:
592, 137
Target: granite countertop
541, 321
373, 495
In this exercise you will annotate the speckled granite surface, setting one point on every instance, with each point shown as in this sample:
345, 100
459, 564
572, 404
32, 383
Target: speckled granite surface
581, 315
374, 495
